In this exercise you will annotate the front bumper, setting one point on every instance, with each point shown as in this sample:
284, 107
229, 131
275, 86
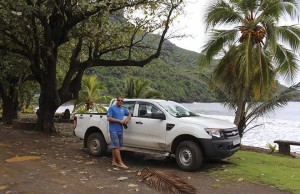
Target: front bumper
220, 148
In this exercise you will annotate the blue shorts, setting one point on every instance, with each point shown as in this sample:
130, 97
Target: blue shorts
116, 139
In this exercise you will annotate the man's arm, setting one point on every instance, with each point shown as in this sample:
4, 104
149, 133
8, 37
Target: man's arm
128, 118
110, 119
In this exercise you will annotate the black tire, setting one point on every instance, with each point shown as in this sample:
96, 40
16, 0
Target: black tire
96, 144
188, 156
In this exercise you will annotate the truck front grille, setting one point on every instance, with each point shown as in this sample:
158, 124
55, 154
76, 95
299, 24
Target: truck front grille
230, 132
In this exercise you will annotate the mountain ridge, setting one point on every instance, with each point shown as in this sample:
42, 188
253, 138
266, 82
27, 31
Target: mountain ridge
177, 74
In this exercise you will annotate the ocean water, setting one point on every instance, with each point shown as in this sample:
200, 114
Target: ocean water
282, 124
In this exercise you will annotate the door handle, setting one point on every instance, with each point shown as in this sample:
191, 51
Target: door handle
139, 122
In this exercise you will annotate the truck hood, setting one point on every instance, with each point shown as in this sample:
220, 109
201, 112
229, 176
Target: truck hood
207, 122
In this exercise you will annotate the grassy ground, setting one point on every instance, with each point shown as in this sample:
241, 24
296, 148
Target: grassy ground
276, 170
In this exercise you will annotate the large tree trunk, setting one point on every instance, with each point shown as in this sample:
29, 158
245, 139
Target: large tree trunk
10, 110
45, 121
49, 99
10, 103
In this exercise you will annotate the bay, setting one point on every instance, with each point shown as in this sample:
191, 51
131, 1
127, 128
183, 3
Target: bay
282, 124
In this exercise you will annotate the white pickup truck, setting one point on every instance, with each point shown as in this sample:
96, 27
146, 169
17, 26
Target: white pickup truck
164, 126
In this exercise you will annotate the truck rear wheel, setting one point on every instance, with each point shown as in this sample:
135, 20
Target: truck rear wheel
188, 156
96, 144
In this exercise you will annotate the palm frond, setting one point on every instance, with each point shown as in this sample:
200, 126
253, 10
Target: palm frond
290, 8
243, 6
227, 73
276, 9
223, 94
155, 94
221, 13
276, 101
80, 108
141, 86
287, 62
289, 35
100, 108
166, 183
129, 88
218, 40
264, 76
271, 38
137, 88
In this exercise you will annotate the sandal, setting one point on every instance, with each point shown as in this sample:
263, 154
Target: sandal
114, 164
123, 167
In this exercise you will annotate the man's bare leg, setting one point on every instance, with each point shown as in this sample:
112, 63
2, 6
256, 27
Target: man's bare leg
113, 158
118, 158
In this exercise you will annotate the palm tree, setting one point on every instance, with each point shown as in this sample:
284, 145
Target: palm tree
138, 88
254, 50
90, 95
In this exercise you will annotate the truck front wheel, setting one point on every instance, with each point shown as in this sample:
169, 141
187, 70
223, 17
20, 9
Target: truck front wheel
189, 156
96, 144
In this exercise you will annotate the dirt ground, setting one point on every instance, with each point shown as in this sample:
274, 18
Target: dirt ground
59, 164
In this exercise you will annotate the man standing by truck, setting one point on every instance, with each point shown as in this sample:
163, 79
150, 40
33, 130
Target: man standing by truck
115, 116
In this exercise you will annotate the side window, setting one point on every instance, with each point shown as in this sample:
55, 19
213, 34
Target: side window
146, 110
143, 112
129, 106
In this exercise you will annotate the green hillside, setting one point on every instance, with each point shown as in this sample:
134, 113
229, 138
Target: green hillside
176, 74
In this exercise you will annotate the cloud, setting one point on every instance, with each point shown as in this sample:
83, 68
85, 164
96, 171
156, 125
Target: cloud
191, 23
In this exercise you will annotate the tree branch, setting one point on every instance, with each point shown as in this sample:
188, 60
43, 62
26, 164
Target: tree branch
129, 62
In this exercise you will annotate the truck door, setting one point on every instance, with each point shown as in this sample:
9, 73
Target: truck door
144, 131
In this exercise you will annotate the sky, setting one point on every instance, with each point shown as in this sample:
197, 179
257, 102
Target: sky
191, 23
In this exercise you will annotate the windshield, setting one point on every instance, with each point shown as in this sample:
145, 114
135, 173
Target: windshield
176, 110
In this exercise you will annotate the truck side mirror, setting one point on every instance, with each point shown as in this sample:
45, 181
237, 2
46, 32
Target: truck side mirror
158, 115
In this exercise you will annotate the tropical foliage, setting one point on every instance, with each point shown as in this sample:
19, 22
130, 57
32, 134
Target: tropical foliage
138, 88
254, 51
91, 96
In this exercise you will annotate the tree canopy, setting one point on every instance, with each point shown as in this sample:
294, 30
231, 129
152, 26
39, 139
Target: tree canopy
98, 33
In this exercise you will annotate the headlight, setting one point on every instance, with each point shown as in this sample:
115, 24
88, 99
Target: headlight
214, 132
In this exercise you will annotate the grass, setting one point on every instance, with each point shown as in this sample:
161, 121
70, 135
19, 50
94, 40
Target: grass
279, 171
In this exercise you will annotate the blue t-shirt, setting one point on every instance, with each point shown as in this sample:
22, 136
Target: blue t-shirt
116, 113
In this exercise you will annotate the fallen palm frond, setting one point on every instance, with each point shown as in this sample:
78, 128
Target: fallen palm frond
164, 182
